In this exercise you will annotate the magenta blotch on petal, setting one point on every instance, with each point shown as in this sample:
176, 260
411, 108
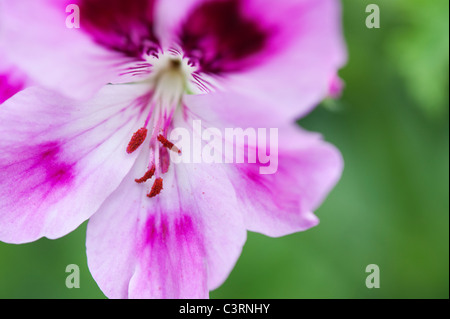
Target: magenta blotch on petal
336, 87
57, 171
12, 79
8, 87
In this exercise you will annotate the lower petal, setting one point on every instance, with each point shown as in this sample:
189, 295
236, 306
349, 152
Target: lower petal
179, 244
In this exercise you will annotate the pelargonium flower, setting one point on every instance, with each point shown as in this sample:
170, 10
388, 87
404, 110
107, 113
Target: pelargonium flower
93, 140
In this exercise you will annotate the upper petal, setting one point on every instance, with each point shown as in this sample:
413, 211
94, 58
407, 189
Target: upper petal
34, 36
60, 159
281, 54
290, 173
122, 26
296, 77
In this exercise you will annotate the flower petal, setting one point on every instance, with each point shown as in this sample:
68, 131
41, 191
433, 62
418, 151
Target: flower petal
178, 244
296, 78
34, 36
60, 159
336, 87
304, 167
283, 203
287, 73
123, 26
12, 80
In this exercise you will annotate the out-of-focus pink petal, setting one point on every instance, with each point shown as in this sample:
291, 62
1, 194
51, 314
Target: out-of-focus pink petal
223, 37
34, 36
61, 159
122, 26
179, 244
283, 203
296, 78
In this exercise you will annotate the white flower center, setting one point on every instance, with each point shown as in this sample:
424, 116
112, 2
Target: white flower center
171, 77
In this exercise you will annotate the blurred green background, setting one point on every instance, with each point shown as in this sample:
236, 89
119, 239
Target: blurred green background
391, 207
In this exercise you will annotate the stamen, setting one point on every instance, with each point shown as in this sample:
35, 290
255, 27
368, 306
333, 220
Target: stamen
137, 140
167, 144
156, 188
147, 175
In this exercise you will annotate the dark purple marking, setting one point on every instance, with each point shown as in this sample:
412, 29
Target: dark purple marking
184, 227
221, 38
157, 231
124, 26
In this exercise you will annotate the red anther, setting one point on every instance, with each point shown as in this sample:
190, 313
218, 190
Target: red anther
168, 144
156, 188
165, 142
147, 175
137, 140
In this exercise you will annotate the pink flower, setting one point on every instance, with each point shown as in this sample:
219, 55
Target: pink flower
12, 79
75, 146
